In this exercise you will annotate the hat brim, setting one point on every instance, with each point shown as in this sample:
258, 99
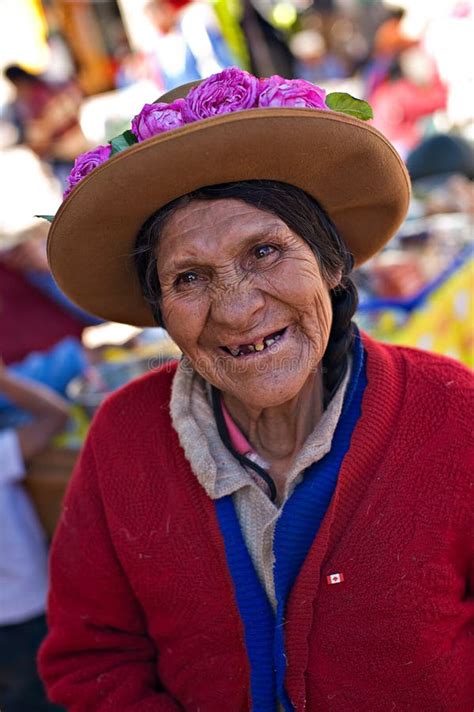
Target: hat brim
349, 167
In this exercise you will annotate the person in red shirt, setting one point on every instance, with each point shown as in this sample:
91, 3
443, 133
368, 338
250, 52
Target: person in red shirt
411, 92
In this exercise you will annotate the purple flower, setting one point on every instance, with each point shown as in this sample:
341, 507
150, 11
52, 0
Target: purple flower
278, 92
230, 90
154, 119
84, 164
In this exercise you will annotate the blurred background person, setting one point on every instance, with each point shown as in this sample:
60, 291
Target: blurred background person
440, 157
23, 550
411, 92
267, 42
189, 43
34, 313
389, 41
46, 115
391, 38
313, 60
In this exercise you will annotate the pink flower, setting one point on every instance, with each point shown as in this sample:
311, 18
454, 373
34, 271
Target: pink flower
84, 164
230, 90
154, 119
293, 93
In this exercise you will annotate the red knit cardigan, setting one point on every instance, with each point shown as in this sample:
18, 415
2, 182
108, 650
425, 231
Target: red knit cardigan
142, 611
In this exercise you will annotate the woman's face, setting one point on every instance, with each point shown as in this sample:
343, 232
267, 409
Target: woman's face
244, 299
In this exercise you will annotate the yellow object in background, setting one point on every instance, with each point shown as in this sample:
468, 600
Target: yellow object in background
76, 429
284, 15
23, 35
445, 323
229, 14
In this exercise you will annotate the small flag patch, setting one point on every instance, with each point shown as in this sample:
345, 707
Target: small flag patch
335, 578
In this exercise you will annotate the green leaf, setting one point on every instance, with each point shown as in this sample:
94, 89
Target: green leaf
120, 143
347, 104
49, 218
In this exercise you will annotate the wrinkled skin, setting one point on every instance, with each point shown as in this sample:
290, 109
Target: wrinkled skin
232, 274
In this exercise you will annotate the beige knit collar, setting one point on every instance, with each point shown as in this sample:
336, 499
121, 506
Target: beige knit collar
214, 466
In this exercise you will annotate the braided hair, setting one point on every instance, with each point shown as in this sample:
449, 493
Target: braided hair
303, 214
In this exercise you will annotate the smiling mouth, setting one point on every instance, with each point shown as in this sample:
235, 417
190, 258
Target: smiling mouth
256, 347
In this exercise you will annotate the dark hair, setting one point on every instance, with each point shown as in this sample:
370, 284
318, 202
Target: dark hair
15, 73
441, 154
303, 215
397, 13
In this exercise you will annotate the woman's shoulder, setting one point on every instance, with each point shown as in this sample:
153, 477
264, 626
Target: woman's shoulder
448, 386
429, 386
438, 372
427, 367
430, 382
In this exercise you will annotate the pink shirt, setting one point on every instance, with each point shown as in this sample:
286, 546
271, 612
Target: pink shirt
237, 438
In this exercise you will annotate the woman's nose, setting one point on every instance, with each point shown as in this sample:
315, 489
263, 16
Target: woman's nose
237, 307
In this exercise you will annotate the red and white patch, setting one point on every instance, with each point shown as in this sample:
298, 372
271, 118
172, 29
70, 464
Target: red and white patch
335, 578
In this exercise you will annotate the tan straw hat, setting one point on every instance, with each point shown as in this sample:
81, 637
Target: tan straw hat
348, 166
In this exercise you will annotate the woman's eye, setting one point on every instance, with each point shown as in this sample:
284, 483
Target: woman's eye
263, 251
187, 278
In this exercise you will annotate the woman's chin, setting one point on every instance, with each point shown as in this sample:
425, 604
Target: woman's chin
266, 390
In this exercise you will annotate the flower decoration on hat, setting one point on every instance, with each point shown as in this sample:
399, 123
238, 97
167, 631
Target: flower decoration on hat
85, 163
223, 93
154, 119
277, 92
229, 91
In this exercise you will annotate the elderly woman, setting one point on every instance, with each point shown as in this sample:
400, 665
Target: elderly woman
282, 520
